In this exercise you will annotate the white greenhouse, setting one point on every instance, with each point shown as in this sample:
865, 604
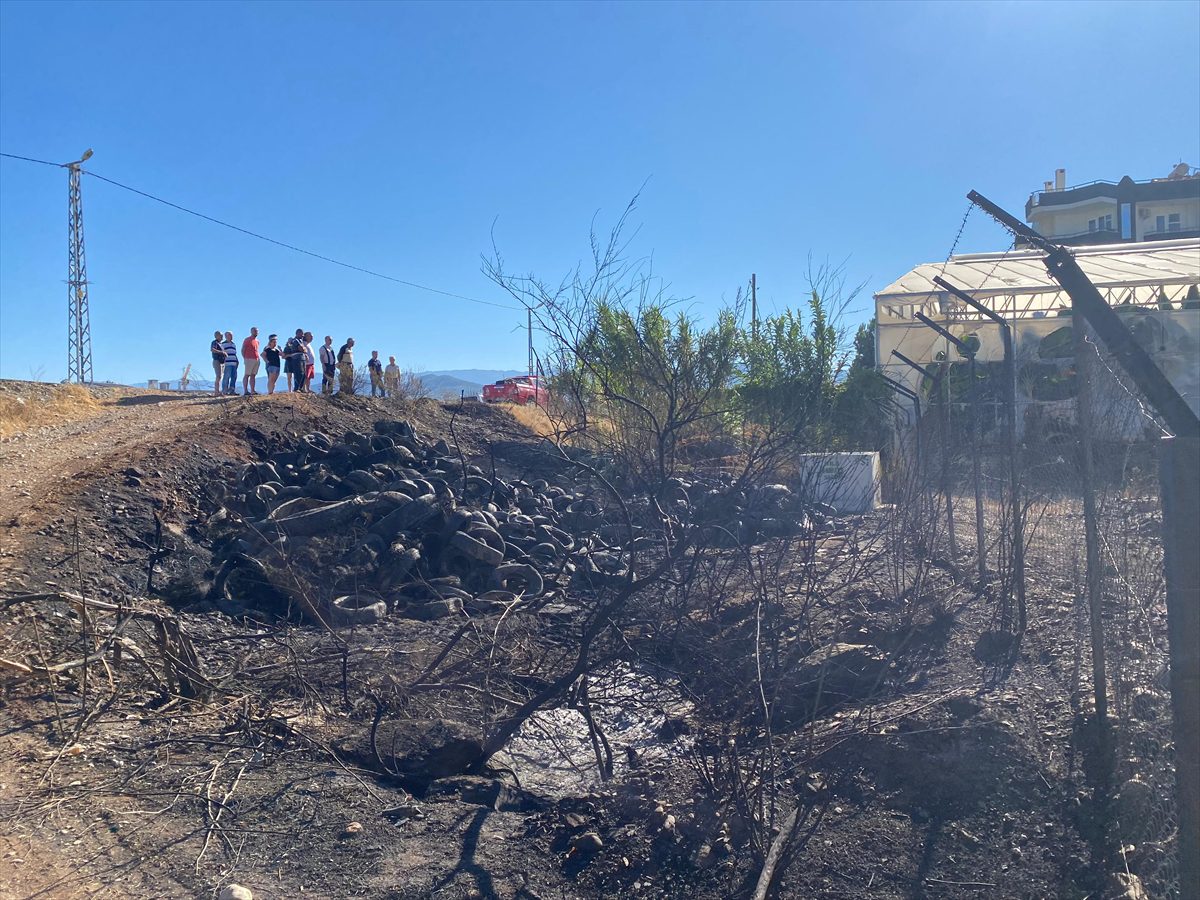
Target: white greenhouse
1156, 288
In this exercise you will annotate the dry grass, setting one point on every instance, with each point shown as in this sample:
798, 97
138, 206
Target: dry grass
64, 403
532, 417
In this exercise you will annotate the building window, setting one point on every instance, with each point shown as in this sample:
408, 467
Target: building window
1171, 222
1127, 221
1101, 223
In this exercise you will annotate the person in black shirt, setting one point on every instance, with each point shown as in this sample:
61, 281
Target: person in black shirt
270, 355
293, 359
218, 361
375, 367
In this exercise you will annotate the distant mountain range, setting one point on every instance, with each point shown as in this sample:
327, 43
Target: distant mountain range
447, 383
455, 382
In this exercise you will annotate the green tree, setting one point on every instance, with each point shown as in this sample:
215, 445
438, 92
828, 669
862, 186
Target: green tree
858, 418
652, 380
787, 383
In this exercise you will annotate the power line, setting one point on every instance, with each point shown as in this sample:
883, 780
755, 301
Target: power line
31, 159
270, 240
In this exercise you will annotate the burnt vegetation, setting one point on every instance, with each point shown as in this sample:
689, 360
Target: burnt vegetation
642, 649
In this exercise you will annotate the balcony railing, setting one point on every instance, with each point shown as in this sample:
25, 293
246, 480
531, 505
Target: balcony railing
1099, 236
1171, 234
1033, 196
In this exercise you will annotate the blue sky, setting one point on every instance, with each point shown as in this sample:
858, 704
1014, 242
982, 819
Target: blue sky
401, 137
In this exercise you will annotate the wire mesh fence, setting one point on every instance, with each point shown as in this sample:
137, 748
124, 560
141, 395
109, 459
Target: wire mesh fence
1125, 765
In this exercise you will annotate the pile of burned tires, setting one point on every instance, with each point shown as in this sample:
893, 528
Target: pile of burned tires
349, 529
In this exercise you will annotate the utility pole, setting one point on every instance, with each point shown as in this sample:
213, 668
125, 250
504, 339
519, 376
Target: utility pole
754, 304
79, 320
529, 336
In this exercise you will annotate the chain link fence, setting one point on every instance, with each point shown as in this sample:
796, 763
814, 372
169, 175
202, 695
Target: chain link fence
1125, 774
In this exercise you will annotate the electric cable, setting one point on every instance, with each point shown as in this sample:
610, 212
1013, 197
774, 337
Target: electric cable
270, 240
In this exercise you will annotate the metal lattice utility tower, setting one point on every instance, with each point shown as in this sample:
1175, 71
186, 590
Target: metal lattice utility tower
79, 322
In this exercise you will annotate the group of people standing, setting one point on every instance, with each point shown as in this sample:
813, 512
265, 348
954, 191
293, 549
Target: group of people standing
298, 362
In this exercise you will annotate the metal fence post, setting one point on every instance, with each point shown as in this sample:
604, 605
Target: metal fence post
1180, 478
1085, 419
976, 476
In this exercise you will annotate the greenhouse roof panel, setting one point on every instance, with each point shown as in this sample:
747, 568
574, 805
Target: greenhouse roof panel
1022, 271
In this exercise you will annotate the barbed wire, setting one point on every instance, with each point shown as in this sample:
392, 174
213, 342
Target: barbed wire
1146, 414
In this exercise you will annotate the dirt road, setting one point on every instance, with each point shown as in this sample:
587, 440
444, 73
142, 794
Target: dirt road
33, 464
36, 465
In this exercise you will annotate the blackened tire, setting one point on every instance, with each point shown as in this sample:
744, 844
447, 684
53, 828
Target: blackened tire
347, 611
528, 579
476, 549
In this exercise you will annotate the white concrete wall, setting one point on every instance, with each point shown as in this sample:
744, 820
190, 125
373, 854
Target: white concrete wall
1057, 222
1075, 219
1189, 211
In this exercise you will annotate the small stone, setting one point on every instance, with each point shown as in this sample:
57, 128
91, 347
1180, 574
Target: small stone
588, 842
352, 829
968, 838
235, 892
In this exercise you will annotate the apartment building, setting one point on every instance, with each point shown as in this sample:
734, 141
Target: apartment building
1122, 212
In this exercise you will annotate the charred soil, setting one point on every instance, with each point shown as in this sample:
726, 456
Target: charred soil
204, 743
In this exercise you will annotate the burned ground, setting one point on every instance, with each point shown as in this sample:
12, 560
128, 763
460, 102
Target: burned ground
340, 761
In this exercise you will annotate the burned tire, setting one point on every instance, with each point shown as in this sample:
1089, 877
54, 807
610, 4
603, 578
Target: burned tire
347, 611
519, 579
471, 546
